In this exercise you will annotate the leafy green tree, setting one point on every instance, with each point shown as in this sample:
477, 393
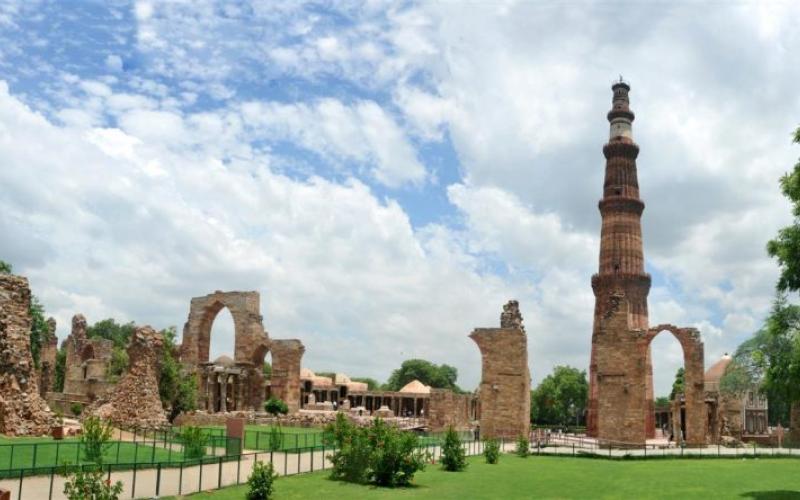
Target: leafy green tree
275, 407
491, 450
39, 329
372, 384
786, 246
60, 369
109, 329
662, 401
677, 385
561, 397
437, 376
91, 484
178, 390
267, 370
523, 446
454, 458
5, 267
194, 442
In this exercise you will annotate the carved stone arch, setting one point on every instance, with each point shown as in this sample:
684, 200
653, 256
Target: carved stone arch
250, 337
694, 370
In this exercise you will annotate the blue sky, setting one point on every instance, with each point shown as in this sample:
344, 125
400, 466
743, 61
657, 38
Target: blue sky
387, 175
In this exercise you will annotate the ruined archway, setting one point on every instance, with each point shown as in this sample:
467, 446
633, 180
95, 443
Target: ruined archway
250, 336
693, 363
251, 343
624, 410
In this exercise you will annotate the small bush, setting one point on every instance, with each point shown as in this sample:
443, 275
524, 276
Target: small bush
523, 446
76, 408
275, 439
351, 460
381, 454
491, 450
95, 438
91, 485
453, 457
194, 442
395, 457
260, 482
275, 407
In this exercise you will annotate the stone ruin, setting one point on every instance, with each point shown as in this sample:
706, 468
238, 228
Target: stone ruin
47, 359
505, 388
23, 412
239, 384
85, 369
135, 401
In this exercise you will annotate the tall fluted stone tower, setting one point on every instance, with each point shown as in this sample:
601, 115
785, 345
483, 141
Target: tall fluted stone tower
621, 254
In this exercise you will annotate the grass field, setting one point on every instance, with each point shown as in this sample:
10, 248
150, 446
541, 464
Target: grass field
23, 453
555, 477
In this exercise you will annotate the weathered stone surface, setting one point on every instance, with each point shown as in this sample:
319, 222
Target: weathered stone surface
47, 359
621, 269
23, 412
287, 356
86, 367
251, 344
621, 353
505, 389
135, 401
447, 408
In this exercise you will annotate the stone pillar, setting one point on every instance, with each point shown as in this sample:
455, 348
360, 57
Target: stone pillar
223, 393
505, 389
23, 412
286, 360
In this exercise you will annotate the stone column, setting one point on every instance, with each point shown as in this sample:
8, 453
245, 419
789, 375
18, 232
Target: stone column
223, 393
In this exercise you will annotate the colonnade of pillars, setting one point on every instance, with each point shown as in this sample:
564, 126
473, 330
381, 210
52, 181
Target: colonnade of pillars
401, 406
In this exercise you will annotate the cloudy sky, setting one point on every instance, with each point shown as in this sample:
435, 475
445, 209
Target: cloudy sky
388, 175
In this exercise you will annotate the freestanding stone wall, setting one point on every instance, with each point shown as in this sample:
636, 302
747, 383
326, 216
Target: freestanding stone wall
135, 401
47, 359
22, 409
447, 408
622, 369
287, 355
505, 388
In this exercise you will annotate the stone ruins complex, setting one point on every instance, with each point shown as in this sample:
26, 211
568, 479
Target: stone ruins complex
505, 389
621, 404
23, 412
135, 400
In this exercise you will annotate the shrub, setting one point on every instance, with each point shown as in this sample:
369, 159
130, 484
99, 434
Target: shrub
351, 460
194, 442
275, 407
381, 453
275, 439
260, 482
491, 450
453, 456
90, 485
523, 446
395, 457
76, 408
94, 439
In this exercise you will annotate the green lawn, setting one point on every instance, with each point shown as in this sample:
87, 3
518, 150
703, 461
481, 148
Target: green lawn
555, 477
19, 453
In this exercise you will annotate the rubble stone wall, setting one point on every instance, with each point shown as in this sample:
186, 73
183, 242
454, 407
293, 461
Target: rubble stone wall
23, 412
505, 389
135, 401
47, 359
287, 355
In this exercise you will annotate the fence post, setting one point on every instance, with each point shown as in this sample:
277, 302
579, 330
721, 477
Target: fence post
153, 454
158, 479
133, 486
285, 462
219, 475
312, 460
52, 474
180, 479
298, 460
35, 449
21, 475
238, 468
200, 479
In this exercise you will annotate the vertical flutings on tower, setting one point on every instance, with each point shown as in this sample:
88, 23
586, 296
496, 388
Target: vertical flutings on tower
621, 267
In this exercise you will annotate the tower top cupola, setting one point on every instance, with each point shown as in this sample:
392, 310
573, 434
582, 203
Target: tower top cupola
620, 117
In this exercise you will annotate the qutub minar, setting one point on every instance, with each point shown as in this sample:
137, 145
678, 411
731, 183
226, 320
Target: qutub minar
621, 253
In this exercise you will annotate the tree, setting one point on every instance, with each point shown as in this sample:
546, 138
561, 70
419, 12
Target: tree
109, 329
275, 407
267, 370
677, 385
5, 267
60, 369
433, 375
786, 246
39, 328
372, 384
178, 390
561, 397
453, 457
